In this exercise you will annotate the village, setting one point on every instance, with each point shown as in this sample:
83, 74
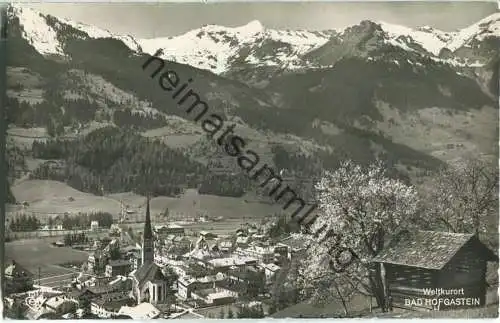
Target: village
162, 272
167, 272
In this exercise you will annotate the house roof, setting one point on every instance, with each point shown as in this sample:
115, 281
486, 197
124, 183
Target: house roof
423, 249
119, 262
142, 311
149, 271
295, 242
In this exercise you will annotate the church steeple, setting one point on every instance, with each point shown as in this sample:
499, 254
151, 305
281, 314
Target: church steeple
147, 238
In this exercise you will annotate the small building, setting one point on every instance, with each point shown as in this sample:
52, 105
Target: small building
118, 267
187, 285
207, 235
270, 271
435, 270
171, 229
135, 259
215, 296
94, 225
243, 241
108, 305
262, 254
226, 246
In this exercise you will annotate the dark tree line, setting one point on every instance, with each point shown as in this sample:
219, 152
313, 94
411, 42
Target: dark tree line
110, 160
77, 238
53, 113
127, 118
78, 221
250, 312
114, 160
25, 223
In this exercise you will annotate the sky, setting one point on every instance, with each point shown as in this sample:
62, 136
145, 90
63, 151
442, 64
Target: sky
150, 20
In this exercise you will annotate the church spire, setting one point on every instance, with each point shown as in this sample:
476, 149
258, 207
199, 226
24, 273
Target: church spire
147, 237
148, 233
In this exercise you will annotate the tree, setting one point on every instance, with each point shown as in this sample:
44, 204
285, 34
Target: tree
359, 209
462, 196
252, 312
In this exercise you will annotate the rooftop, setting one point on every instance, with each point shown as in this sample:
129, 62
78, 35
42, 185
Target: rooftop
425, 249
119, 262
142, 311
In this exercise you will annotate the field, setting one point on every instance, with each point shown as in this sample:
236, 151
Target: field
35, 254
443, 134
51, 198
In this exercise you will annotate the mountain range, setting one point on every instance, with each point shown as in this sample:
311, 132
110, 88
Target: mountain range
415, 97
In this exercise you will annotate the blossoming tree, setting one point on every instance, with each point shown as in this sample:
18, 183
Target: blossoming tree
464, 196
358, 211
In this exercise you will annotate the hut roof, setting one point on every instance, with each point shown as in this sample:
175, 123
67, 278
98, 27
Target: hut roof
425, 249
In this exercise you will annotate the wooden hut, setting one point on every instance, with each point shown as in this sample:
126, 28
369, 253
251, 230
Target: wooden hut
435, 270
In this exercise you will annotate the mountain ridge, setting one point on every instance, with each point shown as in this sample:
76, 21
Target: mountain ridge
222, 49
353, 100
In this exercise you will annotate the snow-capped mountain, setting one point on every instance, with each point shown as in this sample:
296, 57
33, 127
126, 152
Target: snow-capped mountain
217, 48
488, 27
223, 50
47, 34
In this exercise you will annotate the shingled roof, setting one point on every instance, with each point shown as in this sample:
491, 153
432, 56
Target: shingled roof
423, 249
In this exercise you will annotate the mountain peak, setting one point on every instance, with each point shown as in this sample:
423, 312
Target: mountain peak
254, 25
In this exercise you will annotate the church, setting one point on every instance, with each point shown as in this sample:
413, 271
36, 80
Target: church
148, 282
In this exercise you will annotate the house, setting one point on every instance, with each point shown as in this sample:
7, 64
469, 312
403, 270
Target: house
215, 296
187, 285
421, 265
94, 225
207, 235
225, 264
17, 278
226, 246
251, 279
108, 305
117, 267
135, 259
60, 304
176, 246
201, 252
271, 270
262, 254
143, 311
243, 241
171, 229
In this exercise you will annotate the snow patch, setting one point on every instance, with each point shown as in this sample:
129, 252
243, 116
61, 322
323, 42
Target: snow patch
487, 27
36, 30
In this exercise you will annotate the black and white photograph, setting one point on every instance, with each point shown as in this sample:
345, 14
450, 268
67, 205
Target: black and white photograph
250, 160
